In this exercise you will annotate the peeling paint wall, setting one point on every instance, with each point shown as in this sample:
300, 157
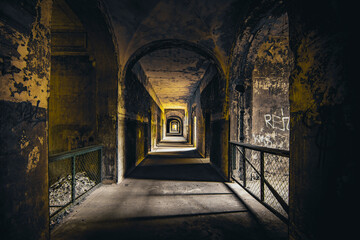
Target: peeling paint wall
25, 73
25, 60
270, 107
260, 70
321, 122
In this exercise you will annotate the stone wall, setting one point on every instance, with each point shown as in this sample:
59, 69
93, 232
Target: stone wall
260, 84
72, 104
139, 121
270, 86
84, 81
208, 105
24, 81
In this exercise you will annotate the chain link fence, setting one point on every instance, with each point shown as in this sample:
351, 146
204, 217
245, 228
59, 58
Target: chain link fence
72, 174
264, 173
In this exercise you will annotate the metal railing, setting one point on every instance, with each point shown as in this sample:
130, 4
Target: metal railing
72, 174
264, 173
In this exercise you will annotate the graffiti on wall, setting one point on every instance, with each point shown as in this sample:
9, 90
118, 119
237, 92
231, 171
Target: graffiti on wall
26, 112
277, 122
264, 140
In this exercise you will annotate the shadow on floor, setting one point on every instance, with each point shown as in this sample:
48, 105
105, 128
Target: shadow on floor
193, 202
220, 227
187, 153
178, 172
186, 164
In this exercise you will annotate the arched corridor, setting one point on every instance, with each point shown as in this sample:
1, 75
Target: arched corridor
168, 119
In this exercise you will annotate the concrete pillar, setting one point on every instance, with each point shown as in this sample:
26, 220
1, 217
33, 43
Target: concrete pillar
24, 77
323, 130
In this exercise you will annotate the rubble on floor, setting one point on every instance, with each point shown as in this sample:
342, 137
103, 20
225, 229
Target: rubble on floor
60, 191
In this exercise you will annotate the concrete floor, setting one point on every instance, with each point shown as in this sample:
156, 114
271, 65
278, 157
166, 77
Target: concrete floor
177, 139
171, 195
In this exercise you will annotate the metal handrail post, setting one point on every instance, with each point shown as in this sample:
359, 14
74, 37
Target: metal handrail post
244, 166
262, 176
73, 180
233, 158
100, 164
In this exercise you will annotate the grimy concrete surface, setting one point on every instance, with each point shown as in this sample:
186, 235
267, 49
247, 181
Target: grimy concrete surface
173, 195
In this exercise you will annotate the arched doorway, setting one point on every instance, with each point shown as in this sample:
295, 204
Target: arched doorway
213, 90
174, 126
83, 91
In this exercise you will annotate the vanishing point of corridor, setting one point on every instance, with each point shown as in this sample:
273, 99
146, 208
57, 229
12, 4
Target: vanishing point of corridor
173, 194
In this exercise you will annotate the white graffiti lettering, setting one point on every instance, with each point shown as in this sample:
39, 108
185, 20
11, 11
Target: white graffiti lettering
262, 140
277, 122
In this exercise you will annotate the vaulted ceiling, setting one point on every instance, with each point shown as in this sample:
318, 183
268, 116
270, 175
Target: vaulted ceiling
211, 23
174, 73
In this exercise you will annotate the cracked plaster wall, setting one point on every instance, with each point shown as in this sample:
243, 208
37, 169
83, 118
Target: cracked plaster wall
265, 78
25, 73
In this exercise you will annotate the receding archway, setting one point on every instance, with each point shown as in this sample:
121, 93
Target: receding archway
213, 75
174, 126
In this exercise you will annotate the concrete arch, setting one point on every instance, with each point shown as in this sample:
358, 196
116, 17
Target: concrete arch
179, 114
172, 43
177, 119
186, 45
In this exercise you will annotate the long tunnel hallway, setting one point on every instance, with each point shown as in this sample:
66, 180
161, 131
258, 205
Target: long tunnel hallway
169, 119
173, 194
